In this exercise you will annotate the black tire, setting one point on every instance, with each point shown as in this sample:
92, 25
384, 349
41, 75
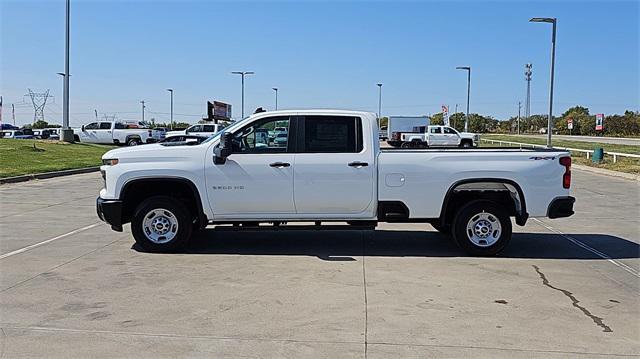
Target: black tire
494, 242
406, 145
134, 142
466, 144
179, 212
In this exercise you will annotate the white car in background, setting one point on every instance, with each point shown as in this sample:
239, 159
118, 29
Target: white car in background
198, 130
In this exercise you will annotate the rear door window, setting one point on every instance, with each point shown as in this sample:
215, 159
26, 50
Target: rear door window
332, 134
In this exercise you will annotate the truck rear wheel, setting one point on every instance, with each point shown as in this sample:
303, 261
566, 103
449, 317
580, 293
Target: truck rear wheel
481, 228
161, 224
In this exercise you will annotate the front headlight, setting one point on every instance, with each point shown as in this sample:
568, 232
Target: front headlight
110, 162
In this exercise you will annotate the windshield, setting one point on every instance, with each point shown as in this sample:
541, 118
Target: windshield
212, 137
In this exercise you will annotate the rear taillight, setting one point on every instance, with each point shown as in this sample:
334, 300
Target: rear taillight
566, 177
395, 136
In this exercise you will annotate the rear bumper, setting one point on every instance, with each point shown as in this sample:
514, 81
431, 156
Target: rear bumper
561, 207
110, 211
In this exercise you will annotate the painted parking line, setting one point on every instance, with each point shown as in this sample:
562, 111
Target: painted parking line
24, 249
590, 249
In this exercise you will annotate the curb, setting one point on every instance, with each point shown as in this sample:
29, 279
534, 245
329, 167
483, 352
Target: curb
606, 172
30, 177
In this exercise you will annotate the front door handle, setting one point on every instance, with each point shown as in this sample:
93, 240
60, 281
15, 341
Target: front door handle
358, 164
279, 164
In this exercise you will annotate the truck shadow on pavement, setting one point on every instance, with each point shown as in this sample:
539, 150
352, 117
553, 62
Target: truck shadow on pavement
344, 245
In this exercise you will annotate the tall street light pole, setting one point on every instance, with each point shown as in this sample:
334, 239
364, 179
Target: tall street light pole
553, 21
243, 73
468, 69
379, 102
171, 111
67, 132
142, 102
276, 90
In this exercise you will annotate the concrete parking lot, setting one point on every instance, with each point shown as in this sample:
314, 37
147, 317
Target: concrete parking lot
71, 287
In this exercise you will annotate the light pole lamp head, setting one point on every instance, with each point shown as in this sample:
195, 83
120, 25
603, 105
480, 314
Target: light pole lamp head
551, 20
170, 90
275, 89
379, 84
463, 68
242, 72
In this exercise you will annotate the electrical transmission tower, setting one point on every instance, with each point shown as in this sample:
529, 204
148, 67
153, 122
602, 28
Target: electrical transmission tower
39, 100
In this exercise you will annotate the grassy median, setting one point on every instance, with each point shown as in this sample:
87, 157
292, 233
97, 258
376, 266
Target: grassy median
623, 164
22, 157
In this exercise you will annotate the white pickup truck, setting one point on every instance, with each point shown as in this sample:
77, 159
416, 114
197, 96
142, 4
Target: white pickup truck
331, 169
438, 136
109, 132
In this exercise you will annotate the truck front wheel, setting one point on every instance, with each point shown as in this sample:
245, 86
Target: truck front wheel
133, 142
482, 228
161, 224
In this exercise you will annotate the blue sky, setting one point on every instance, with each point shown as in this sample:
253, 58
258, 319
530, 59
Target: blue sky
320, 54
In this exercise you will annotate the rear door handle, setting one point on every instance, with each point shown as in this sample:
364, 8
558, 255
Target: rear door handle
279, 164
358, 164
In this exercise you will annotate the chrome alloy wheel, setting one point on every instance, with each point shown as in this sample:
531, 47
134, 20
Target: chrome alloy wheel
160, 225
484, 229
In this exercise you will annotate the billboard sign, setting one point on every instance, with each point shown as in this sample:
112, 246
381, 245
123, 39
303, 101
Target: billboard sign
217, 110
600, 122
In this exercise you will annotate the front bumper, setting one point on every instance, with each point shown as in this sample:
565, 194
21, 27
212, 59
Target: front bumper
110, 211
561, 207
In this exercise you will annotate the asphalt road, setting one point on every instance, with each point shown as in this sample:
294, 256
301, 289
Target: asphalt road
70, 287
611, 140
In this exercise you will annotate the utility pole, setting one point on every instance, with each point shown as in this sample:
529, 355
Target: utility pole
143, 106
276, 90
67, 132
379, 102
242, 74
171, 110
519, 107
13, 113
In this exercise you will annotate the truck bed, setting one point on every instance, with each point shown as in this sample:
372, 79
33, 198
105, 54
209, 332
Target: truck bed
421, 178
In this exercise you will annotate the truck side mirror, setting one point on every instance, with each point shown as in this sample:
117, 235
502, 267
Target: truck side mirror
224, 149
82, 128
